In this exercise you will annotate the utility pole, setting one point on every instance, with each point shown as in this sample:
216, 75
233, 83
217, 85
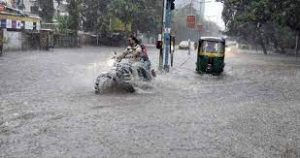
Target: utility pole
167, 21
297, 45
189, 40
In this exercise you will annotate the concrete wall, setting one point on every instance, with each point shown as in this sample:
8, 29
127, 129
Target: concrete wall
13, 40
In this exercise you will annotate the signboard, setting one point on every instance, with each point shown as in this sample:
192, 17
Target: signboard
3, 23
19, 22
28, 25
8, 23
2, 8
191, 21
167, 30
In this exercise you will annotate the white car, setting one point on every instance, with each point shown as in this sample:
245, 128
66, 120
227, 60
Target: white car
185, 44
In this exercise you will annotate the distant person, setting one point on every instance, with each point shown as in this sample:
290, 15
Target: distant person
210, 47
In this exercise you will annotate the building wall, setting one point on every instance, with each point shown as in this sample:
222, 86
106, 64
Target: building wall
13, 40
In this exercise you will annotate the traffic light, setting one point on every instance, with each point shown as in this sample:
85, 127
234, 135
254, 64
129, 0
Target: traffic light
171, 2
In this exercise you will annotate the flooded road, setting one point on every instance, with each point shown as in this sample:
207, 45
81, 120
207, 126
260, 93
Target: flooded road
48, 108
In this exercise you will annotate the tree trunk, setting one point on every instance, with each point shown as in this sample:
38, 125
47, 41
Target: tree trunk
297, 44
262, 43
125, 25
263, 47
273, 37
282, 50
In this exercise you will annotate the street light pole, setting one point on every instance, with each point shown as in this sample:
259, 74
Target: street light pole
161, 37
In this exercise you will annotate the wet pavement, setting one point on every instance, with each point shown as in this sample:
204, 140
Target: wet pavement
48, 108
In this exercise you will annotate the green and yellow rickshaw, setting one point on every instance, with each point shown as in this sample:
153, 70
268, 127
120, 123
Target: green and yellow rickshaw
210, 55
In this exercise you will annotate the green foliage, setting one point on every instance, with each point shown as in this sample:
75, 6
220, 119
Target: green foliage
74, 13
267, 22
148, 16
99, 16
69, 24
124, 10
118, 25
96, 16
64, 24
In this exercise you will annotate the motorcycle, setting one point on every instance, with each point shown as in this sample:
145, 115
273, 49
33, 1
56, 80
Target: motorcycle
124, 74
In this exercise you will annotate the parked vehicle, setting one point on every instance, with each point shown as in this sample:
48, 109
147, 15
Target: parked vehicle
185, 45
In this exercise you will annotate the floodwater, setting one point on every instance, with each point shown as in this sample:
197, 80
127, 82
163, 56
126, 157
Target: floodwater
48, 108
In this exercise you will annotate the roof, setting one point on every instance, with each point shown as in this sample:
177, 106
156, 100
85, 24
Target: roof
19, 17
15, 14
214, 39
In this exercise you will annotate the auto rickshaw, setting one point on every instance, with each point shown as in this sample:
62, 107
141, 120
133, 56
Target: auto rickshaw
210, 55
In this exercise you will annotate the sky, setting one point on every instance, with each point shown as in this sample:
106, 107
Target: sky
213, 10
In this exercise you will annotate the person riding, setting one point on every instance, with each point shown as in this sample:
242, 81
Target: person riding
133, 50
137, 52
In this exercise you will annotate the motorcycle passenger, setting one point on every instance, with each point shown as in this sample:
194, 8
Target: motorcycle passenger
145, 58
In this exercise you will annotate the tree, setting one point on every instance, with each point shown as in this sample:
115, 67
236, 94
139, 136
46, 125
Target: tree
124, 10
74, 14
64, 24
265, 21
141, 15
287, 13
96, 16
46, 10
242, 16
148, 16
58, 1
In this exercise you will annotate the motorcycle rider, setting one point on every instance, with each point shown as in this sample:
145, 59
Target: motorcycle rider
133, 50
137, 53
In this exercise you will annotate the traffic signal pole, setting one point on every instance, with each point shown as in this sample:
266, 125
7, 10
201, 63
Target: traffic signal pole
168, 7
160, 41
167, 31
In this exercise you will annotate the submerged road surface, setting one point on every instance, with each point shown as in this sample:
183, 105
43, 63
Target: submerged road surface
48, 108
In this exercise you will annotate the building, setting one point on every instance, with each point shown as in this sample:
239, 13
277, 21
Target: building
12, 17
32, 6
15, 23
